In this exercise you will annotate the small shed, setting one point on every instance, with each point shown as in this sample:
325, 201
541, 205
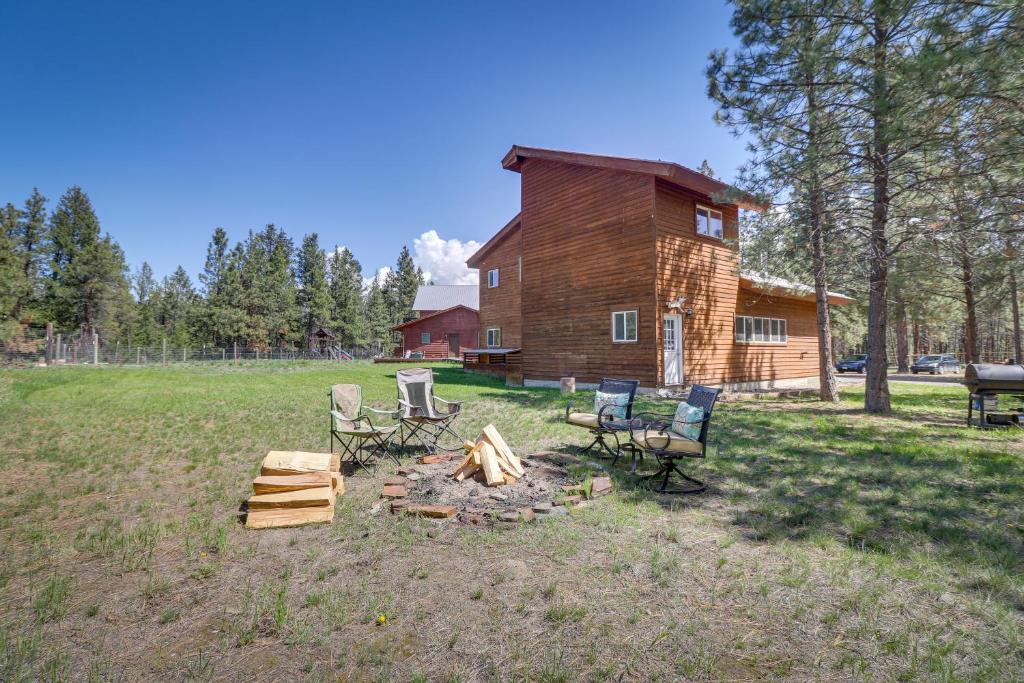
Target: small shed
439, 335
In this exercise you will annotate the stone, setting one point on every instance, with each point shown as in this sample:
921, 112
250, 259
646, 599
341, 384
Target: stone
394, 491
569, 500
599, 486
436, 511
414, 476
556, 511
543, 508
433, 532
513, 516
395, 481
405, 471
498, 496
398, 506
567, 385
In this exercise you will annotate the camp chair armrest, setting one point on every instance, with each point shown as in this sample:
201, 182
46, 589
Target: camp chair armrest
344, 418
414, 411
453, 406
392, 413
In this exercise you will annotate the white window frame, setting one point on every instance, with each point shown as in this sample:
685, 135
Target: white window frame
773, 330
492, 278
520, 268
711, 215
497, 333
425, 340
625, 327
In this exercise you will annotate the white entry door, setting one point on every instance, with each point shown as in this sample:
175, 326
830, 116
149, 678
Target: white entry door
672, 342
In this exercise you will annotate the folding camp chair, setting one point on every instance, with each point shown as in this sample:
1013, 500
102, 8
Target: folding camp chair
421, 418
666, 438
365, 443
613, 401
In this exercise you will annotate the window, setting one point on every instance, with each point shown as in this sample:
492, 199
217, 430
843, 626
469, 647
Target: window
424, 337
709, 222
493, 336
624, 326
492, 278
760, 330
520, 268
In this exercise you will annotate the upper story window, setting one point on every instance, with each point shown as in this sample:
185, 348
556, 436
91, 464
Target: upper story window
709, 222
492, 278
624, 326
494, 336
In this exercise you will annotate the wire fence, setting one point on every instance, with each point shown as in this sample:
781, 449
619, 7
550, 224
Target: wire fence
33, 346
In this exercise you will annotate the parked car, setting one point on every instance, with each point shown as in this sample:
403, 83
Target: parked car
852, 364
936, 365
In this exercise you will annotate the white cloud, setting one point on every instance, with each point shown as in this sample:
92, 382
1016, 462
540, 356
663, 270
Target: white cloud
444, 261
379, 276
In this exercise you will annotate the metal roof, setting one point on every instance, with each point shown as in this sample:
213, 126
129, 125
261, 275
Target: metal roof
440, 297
770, 284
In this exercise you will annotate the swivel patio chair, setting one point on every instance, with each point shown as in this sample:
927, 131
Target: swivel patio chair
672, 437
421, 418
613, 401
352, 427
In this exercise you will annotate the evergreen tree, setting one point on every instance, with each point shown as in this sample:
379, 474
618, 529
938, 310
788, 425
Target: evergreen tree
347, 307
177, 307
12, 280
88, 271
212, 323
30, 245
401, 285
706, 169
314, 293
147, 329
378, 318
269, 293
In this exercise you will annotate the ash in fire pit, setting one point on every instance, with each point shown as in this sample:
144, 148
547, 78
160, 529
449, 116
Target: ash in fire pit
542, 481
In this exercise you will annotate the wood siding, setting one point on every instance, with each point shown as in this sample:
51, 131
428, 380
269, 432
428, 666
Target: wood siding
461, 321
588, 250
706, 271
501, 306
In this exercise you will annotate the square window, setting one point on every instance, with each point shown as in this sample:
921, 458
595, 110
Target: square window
624, 326
709, 222
493, 337
424, 337
492, 278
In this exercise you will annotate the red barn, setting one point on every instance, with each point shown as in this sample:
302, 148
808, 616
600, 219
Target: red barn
447, 321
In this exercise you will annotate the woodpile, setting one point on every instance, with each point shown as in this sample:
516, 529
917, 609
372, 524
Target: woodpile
489, 460
294, 488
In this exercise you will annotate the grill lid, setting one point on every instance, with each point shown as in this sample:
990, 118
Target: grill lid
991, 377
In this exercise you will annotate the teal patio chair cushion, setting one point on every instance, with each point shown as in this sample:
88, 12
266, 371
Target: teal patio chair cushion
617, 401
687, 421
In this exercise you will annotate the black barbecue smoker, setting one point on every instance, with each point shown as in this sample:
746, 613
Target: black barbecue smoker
986, 383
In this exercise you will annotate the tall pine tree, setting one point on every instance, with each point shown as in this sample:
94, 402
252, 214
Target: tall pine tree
348, 314
314, 293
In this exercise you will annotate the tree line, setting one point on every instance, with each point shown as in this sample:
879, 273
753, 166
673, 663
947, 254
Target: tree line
887, 138
261, 292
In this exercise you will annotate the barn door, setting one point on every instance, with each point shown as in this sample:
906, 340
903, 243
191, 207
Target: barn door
453, 345
672, 345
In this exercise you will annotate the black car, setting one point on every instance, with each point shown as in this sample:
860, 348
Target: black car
852, 364
936, 365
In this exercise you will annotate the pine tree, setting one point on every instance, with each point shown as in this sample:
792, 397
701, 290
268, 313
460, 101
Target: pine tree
314, 293
12, 280
147, 329
378, 318
705, 168
212, 321
88, 271
177, 307
348, 315
30, 245
401, 285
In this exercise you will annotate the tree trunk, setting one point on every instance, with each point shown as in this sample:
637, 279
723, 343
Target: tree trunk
876, 385
1018, 343
971, 322
902, 340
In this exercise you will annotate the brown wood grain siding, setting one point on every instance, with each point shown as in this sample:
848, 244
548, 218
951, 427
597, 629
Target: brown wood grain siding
705, 270
587, 251
501, 306
463, 322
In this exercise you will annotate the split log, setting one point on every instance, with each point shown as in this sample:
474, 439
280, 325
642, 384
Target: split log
266, 519
489, 465
295, 482
290, 462
437, 511
492, 435
304, 498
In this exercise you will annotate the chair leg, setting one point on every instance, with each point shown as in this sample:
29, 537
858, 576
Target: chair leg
668, 466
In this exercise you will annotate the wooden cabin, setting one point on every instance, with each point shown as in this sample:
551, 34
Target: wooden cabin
445, 322
629, 268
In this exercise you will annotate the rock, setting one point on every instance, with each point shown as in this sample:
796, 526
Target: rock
395, 481
531, 484
414, 476
523, 515
473, 493
556, 511
543, 508
405, 471
398, 506
433, 532
394, 491
569, 500
498, 496
600, 486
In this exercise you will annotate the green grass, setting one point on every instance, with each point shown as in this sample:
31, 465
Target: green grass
830, 544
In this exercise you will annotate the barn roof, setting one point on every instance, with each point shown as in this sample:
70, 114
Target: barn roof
436, 314
440, 297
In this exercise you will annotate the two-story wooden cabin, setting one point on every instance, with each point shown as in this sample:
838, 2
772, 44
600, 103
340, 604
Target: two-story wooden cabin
629, 268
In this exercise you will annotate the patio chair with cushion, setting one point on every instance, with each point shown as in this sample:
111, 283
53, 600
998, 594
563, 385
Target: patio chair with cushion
421, 417
612, 401
683, 434
364, 442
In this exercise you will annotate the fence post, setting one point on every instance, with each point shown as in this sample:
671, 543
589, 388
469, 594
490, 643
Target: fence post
236, 350
164, 357
138, 355
95, 348
49, 343
184, 351
222, 352
257, 353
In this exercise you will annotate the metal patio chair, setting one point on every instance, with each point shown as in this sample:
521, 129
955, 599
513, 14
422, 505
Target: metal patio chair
352, 427
618, 405
661, 436
420, 417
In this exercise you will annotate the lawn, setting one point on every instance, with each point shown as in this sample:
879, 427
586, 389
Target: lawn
830, 545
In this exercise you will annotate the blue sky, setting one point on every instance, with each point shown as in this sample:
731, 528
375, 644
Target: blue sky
368, 123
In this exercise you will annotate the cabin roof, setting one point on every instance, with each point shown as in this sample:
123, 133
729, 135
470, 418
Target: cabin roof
672, 172
440, 297
777, 286
510, 227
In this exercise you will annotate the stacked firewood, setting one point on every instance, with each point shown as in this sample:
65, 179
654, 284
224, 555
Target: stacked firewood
489, 460
294, 488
